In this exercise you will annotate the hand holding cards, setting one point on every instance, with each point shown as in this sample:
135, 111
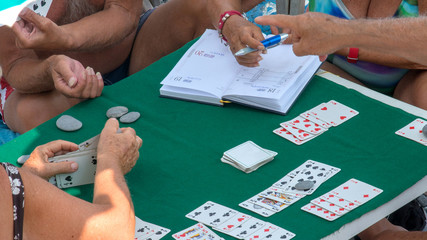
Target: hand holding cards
248, 156
9, 16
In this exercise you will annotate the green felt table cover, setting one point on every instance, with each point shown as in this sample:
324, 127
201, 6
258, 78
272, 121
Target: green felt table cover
180, 168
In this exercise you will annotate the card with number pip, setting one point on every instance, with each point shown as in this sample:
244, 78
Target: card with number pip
333, 112
414, 131
356, 191
148, 231
211, 214
9, 16
85, 174
198, 231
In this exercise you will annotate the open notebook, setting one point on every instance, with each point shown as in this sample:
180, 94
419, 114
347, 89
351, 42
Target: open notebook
209, 73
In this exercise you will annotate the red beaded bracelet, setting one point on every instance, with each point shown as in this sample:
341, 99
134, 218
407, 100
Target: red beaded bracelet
353, 55
224, 18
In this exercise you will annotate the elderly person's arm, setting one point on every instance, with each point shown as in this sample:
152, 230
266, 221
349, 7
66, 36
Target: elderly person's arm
384, 230
116, 21
322, 34
51, 213
239, 32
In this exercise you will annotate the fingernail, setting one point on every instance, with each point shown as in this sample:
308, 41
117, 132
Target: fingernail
72, 82
259, 58
92, 72
261, 48
74, 166
99, 76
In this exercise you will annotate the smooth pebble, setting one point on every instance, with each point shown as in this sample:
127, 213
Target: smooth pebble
68, 123
304, 185
116, 112
130, 117
425, 130
23, 158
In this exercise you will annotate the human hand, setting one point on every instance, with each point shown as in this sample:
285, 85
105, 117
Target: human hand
381, 227
39, 165
120, 148
311, 33
241, 33
40, 33
73, 80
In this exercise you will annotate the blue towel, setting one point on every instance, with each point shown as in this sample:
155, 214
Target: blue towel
6, 134
268, 7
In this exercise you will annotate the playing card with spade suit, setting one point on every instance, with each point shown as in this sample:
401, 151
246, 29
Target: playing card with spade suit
85, 174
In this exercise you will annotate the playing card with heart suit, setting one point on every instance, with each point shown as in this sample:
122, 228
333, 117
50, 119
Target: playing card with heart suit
414, 131
315, 119
198, 231
306, 125
299, 133
333, 112
233, 222
263, 232
211, 214
247, 228
289, 136
320, 212
331, 207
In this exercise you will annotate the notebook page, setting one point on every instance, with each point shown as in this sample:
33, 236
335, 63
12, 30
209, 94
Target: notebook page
208, 66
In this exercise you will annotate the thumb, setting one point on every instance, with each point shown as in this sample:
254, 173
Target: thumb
32, 17
53, 169
111, 126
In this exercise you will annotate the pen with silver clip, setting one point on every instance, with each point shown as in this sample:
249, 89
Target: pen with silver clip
268, 43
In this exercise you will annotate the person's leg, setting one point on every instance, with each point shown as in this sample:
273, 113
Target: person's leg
23, 112
413, 88
168, 28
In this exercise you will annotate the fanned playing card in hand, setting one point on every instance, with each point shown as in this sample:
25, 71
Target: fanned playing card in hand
85, 174
9, 16
414, 131
248, 156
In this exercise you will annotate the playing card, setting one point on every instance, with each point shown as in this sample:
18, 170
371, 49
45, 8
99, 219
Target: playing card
306, 125
280, 233
248, 154
331, 207
333, 113
315, 119
211, 214
339, 201
314, 171
356, 191
143, 229
263, 232
321, 212
283, 182
247, 228
277, 195
233, 222
256, 209
289, 136
198, 231
89, 144
414, 131
267, 203
41, 7
299, 133
84, 175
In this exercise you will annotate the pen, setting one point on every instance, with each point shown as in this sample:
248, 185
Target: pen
269, 42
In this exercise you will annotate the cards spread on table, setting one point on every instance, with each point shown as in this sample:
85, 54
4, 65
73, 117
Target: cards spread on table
148, 231
312, 123
248, 156
230, 222
298, 183
414, 131
342, 199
